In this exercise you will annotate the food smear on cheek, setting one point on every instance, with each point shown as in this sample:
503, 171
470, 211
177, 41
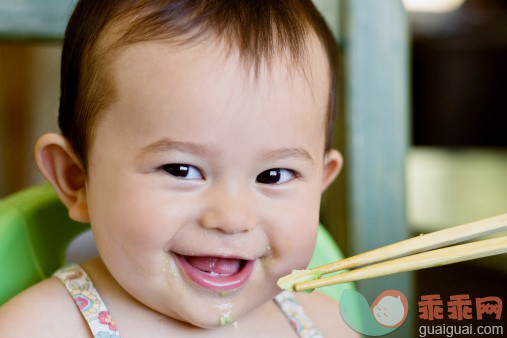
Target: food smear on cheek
169, 268
170, 271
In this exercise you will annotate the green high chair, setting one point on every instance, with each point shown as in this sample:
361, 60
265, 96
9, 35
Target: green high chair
35, 230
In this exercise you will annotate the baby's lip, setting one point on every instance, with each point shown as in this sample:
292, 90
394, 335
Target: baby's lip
216, 273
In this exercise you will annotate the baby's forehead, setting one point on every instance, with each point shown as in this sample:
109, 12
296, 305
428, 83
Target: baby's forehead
293, 49
213, 61
216, 60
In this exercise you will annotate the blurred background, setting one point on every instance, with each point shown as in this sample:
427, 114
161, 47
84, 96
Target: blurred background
457, 162
456, 159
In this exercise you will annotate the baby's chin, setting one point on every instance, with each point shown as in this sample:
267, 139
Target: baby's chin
209, 319
220, 314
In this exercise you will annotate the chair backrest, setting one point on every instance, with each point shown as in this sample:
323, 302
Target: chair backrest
35, 231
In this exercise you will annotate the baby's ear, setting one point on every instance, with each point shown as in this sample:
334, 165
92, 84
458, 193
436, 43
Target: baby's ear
333, 162
58, 163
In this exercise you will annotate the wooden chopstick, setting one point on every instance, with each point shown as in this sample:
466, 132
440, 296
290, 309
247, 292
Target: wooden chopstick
421, 243
411, 246
453, 254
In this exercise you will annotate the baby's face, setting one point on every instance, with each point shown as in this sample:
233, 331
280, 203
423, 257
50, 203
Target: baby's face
204, 185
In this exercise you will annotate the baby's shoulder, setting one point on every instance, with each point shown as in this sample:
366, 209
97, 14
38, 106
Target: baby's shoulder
325, 314
45, 307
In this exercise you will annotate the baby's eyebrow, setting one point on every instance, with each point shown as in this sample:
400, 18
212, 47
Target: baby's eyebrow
282, 153
166, 144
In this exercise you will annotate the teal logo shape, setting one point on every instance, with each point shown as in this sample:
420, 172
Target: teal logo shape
386, 314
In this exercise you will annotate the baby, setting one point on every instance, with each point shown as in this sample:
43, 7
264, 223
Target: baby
196, 141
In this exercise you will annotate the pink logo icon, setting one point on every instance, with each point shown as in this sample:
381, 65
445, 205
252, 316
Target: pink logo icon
390, 308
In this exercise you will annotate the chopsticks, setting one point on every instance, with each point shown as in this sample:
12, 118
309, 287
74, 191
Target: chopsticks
417, 260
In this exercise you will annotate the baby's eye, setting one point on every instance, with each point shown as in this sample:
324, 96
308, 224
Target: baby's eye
275, 176
184, 171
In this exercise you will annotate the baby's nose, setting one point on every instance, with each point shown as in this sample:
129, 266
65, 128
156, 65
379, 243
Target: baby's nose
230, 213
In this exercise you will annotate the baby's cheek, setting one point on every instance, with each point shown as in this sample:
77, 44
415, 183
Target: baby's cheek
296, 248
123, 236
304, 236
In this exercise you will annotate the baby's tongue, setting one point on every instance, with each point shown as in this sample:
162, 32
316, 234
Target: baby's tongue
214, 264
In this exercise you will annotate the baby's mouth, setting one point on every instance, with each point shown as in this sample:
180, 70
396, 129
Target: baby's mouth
216, 273
216, 266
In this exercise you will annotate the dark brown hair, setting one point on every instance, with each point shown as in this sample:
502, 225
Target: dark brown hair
258, 29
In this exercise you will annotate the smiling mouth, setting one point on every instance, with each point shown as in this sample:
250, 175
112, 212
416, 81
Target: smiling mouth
216, 273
